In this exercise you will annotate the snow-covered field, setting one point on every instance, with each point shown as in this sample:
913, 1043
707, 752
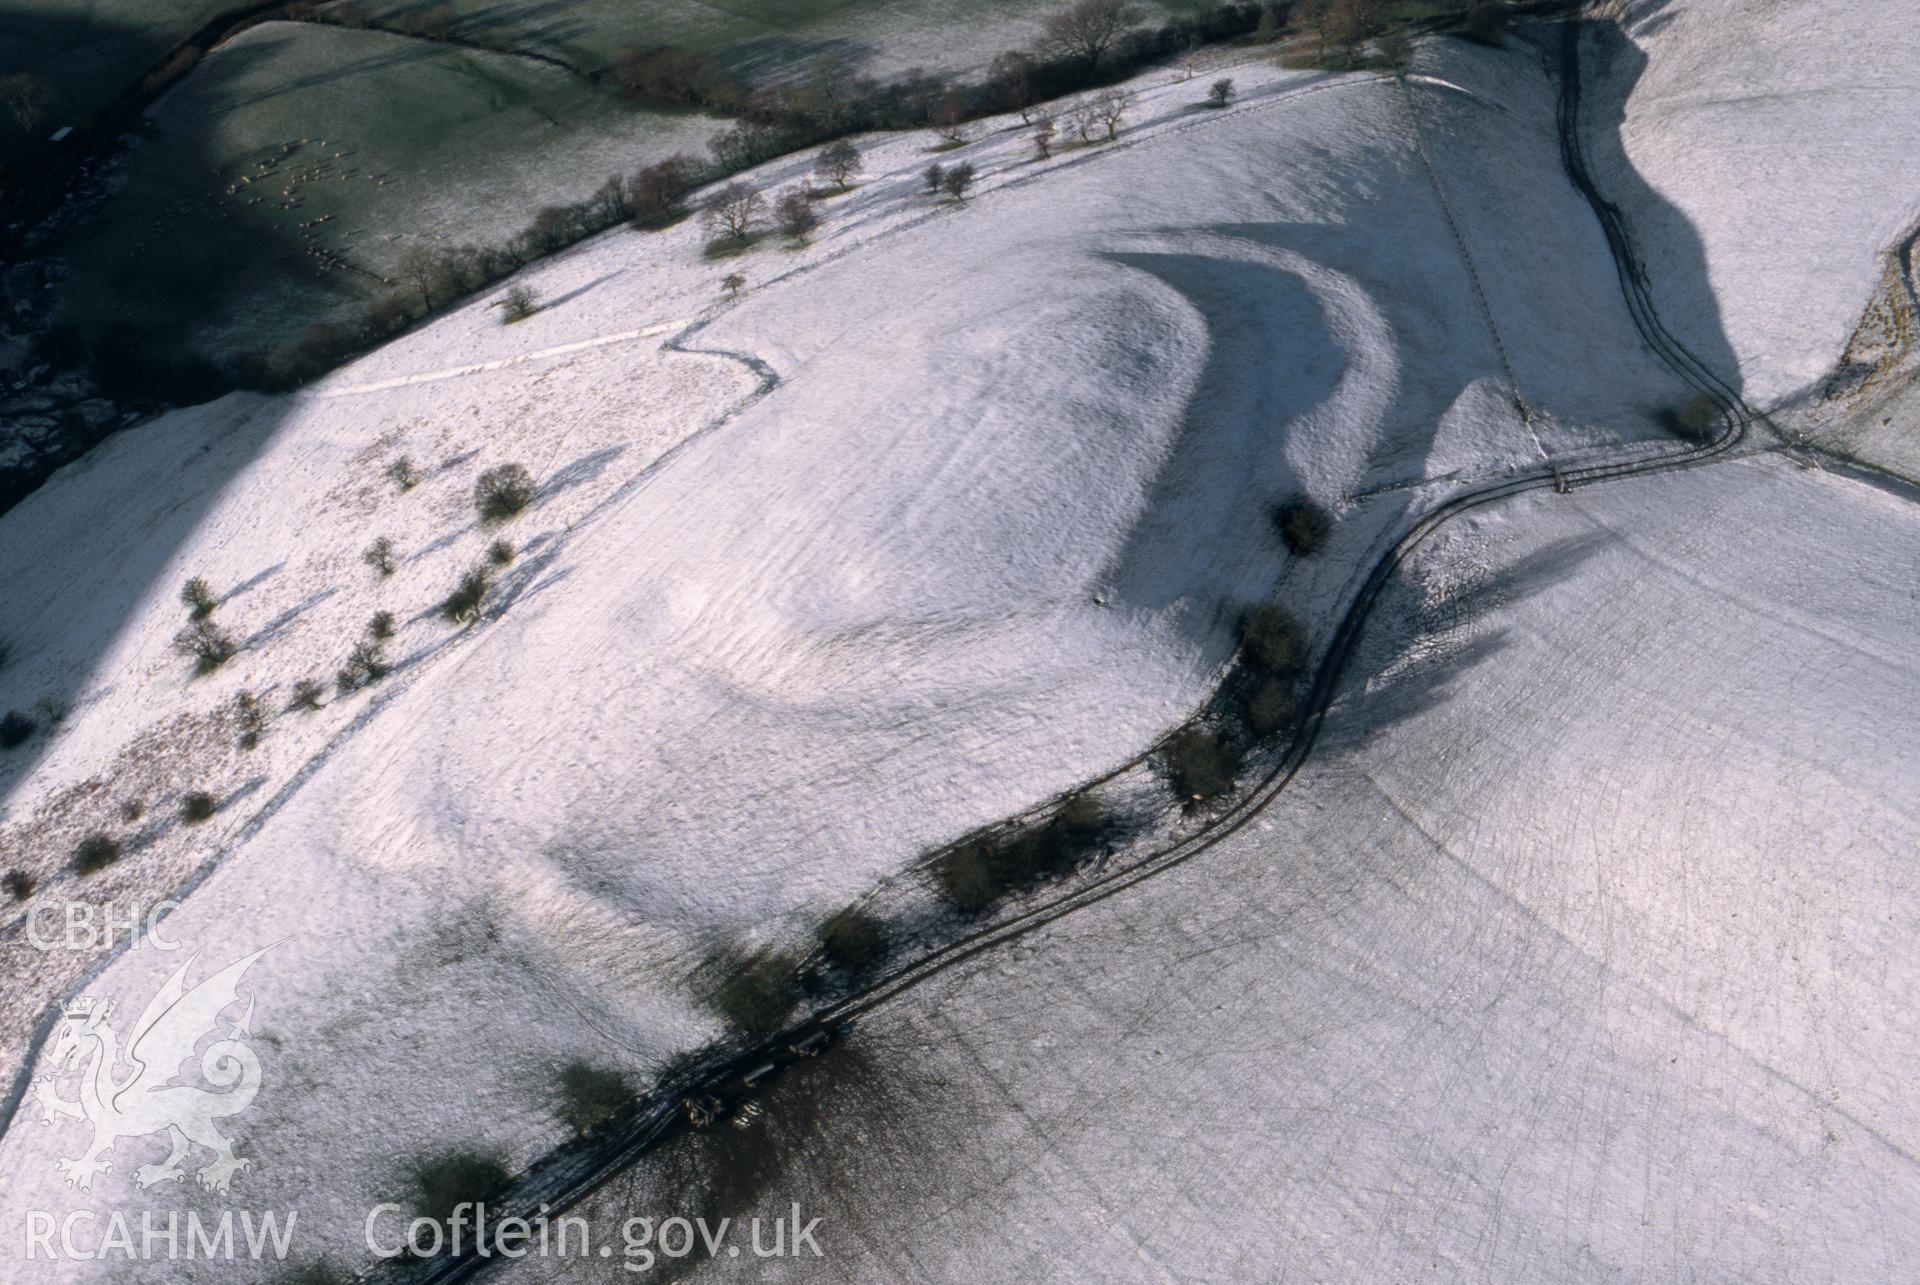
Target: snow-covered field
954, 508
1587, 959
1775, 141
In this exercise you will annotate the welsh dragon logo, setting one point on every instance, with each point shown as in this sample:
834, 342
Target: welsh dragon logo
149, 1097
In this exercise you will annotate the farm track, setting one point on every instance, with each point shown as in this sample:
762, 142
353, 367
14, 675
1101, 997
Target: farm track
569, 1174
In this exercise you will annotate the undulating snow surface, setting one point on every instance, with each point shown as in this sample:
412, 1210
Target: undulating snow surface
1579, 951
1764, 153
953, 509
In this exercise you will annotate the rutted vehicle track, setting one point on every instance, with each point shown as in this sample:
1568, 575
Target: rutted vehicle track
570, 1173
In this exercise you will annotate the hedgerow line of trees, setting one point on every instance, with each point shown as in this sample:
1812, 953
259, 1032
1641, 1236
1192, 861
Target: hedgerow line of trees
1084, 46
754, 990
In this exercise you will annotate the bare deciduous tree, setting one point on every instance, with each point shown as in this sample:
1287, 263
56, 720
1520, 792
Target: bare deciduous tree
958, 180
1221, 93
209, 645
829, 84
611, 203
840, 162
424, 268
934, 176
795, 214
1111, 107
1082, 116
552, 228
519, 303
653, 190
1043, 137
1087, 29
1011, 75
950, 120
733, 210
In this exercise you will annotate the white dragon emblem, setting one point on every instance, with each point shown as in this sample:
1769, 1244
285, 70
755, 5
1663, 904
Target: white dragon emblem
148, 1099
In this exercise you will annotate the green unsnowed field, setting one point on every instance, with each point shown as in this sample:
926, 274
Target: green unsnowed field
89, 50
279, 181
287, 172
759, 39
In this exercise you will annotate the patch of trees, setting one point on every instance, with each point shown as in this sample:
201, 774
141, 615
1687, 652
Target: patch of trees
427, 277
1085, 45
669, 77
973, 876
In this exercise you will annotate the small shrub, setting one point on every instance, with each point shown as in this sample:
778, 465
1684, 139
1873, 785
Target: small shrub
15, 728
966, 878
1273, 640
501, 552
757, 992
379, 556
935, 177
1304, 526
589, 1097
733, 283
403, 473
795, 214
519, 303
446, 1181
1080, 822
17, 884
502, 492
1221, 92
198, 598
198, 806
463, 604
1271, 707
1698, 420
132, 810
251, 718
958, 180
306, 695
96, 852
1199, 764
380, 628
652, 191
366, 664
207, 644
854, 941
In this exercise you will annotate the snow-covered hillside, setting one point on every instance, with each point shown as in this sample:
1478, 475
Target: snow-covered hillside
1580, 952
954, 508
1774, 144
